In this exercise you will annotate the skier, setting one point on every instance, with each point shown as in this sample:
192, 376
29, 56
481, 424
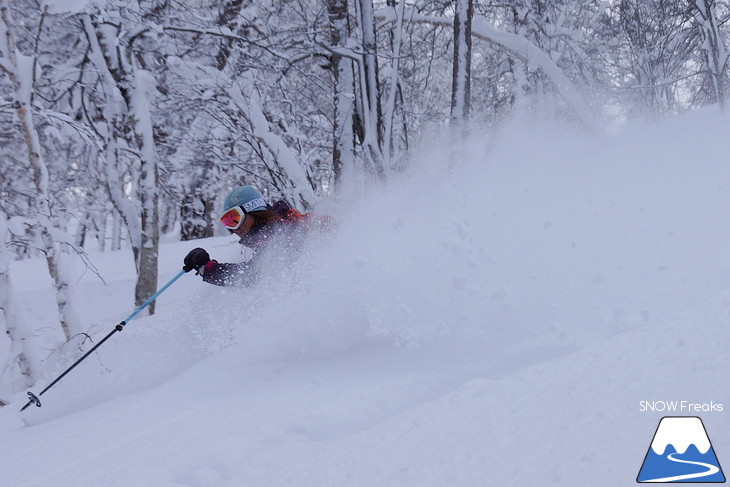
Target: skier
277, 228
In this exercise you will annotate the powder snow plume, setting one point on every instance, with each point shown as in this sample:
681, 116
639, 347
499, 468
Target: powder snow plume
542, 233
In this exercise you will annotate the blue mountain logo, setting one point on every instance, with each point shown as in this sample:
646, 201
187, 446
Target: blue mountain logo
681, 452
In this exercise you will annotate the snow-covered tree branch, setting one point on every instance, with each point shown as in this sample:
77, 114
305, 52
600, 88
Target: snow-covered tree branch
41, 220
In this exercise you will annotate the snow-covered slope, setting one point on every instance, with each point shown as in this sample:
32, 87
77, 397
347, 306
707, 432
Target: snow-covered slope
492, 320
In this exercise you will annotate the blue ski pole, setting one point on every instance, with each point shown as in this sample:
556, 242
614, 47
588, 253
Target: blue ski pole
35, 399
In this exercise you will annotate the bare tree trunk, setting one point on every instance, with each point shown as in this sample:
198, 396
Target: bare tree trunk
343, 149
461, 77
129, 119
519, 67
369, 108
148, 188
20, 363
715, 53
116, 231
149, 251
393, 85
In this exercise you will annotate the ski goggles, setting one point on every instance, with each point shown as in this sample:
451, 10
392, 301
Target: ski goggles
233, 218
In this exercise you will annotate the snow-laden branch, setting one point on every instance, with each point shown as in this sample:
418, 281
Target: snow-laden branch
301, 189
5, 61
226, 33
515, 45
20, 71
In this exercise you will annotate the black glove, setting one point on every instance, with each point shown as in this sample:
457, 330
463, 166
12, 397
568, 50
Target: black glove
196, 258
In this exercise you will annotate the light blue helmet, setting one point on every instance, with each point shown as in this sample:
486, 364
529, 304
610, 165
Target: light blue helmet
246, 196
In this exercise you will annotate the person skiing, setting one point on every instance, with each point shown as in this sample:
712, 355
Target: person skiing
262, 227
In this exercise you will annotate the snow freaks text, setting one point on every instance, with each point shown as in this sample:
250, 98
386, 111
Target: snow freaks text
680, 407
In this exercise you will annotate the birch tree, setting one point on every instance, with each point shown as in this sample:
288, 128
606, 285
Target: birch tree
394, 91
128, 136
343, 149
713, 45
369, 121
22, 363
41, 221
461, 79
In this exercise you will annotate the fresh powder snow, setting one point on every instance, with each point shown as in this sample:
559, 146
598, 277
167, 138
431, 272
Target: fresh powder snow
491, 321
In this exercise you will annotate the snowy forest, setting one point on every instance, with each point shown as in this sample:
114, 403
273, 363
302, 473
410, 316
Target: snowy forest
527, 258
123, 121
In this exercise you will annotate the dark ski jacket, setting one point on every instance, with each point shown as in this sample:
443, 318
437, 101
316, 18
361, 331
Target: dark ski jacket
284, 237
